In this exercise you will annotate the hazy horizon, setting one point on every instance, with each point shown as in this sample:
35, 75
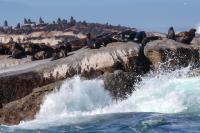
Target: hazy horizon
155, 15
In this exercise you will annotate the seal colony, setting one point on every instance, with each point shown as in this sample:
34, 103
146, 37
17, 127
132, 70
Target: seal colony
116, 54
38, 51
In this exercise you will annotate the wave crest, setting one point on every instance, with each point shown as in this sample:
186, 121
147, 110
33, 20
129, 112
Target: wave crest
167, 92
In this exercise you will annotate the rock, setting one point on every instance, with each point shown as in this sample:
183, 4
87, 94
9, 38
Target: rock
23, 87
195, 44
150, 34
39, 56
51, 37
22, 79
25, 108
6, 63
170, 54
195, 72
120, 84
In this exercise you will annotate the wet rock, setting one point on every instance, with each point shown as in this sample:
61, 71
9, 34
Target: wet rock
25, 108
195, 44
170, 54
118, 64
120, 84
22, 79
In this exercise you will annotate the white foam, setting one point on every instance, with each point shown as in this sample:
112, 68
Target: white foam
198, 29
77, 99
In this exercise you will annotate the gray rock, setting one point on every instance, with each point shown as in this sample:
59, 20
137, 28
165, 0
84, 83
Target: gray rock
120, 84
19, 81
170, 54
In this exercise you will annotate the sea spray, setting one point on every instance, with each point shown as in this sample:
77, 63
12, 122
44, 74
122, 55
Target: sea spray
171, 92
161, 92
198, 29
75, 97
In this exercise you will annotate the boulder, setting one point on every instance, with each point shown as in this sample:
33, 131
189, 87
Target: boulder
170, 54
195, 44
120, 84
26, 107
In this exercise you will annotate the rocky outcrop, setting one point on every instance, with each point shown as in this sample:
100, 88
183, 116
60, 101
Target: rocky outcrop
119, 83
23, 87
52, 37
196, 44
170, 54
90, 63
25, 108
6, 62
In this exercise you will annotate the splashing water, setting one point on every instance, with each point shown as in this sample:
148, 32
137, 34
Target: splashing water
198, 29
171, 92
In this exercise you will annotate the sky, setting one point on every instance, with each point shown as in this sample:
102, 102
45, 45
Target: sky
151, 15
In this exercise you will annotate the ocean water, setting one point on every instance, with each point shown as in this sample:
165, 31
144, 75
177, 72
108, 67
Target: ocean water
163, 102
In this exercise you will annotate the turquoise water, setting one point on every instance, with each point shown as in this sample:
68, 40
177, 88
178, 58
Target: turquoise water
162, 102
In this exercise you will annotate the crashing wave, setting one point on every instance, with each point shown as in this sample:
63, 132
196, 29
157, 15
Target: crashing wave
164, 92
198, 29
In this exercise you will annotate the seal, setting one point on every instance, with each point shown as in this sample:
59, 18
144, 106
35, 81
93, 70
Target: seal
171, 34
17, 51
186, 37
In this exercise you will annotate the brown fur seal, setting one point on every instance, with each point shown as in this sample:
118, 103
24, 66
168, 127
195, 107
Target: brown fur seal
60, 52
18, 51
103, 40
40, 51
32, 49
186, 37
39, 56
5, 49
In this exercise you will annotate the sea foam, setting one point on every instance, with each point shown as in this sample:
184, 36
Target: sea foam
198, 29
163, 92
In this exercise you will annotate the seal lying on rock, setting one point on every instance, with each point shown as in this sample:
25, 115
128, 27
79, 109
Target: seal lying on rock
32, 49
171, 34
89, 42
39, 56
139, 36
104, 39
186, 37
128, 35
68, 47
40, 52
60, 52
17, 51
149, 39
5, 49
124, 36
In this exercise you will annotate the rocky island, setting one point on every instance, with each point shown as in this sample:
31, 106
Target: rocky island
119, 61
